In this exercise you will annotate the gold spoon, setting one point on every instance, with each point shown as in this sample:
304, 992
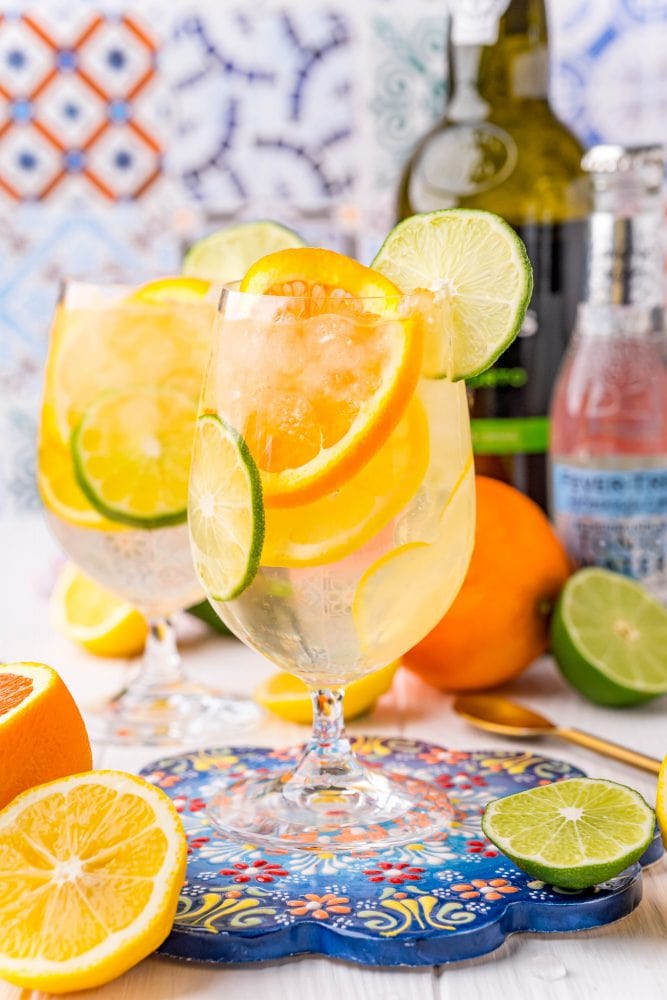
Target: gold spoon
498, 715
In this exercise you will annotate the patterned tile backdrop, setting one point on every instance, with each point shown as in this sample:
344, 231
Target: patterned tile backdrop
126, 129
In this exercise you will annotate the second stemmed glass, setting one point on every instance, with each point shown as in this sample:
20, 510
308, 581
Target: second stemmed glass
331, 513
122, 381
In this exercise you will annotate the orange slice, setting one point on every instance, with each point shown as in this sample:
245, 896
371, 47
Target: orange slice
319, 388
341, 522
42, 734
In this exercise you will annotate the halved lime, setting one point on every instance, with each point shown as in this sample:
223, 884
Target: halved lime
227, 254
609, 638
480, 279
226, 510
131, 454
575, 833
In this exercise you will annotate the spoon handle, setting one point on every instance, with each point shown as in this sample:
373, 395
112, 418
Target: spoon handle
610, 749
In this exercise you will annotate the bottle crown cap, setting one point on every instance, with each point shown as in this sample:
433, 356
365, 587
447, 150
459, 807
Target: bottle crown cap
475, 22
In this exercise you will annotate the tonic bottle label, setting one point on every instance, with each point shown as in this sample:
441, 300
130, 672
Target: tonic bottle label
616, 519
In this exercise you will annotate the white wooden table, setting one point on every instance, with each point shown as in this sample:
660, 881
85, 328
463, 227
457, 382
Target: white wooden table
626, 958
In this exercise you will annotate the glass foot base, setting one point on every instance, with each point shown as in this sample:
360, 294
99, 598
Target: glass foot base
168, 714
376, 810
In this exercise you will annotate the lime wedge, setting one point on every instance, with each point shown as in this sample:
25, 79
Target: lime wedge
479, 276
228, 253
131, 454
575, 833
226, 510
609, 636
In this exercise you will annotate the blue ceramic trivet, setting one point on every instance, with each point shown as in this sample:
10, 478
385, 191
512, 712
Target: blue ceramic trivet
420, 904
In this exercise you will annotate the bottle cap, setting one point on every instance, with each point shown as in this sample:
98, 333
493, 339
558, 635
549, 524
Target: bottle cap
475, 22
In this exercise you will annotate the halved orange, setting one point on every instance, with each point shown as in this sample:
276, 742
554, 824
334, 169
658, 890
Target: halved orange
42, 734
319, 388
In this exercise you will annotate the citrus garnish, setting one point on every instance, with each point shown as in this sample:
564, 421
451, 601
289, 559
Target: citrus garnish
181, 289
42, 734
341, 522
389, 615
131, 455
479, 278
152, 338
609, 636
226, 254
94, 617
291, 698
226, 513
661, 801
91, 869
575, 833
58, 488
345, 370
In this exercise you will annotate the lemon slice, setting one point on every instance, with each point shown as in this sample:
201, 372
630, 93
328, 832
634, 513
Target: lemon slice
226, 513
479, 278
58, 488
171, 290
92, 616
226, 254
91, 869
290, 698
131, 455
341, 522
390, 615
160, 335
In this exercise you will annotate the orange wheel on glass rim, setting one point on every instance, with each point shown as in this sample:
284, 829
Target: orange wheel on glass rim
315, 424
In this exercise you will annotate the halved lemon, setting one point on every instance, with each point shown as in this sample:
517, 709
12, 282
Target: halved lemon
290, 698
131, 454
91, 869
94, 617
330, 528
319, 388
226, 513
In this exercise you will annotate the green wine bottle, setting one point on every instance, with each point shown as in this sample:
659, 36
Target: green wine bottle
501, 148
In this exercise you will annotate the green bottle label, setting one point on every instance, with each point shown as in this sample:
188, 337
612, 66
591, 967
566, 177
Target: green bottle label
508, 435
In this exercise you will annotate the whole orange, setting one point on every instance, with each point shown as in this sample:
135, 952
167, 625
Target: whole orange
42, 734
498, 623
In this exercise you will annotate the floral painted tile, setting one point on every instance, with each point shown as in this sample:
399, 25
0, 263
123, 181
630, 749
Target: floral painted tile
422, 903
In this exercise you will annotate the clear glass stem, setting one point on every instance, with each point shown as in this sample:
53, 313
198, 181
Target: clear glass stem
327, 763
161, 663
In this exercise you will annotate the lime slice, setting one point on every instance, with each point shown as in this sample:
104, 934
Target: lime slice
661, 801
228, 253
171, 290
479, 276
609, 636
131, 454
226, 510
574, 833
